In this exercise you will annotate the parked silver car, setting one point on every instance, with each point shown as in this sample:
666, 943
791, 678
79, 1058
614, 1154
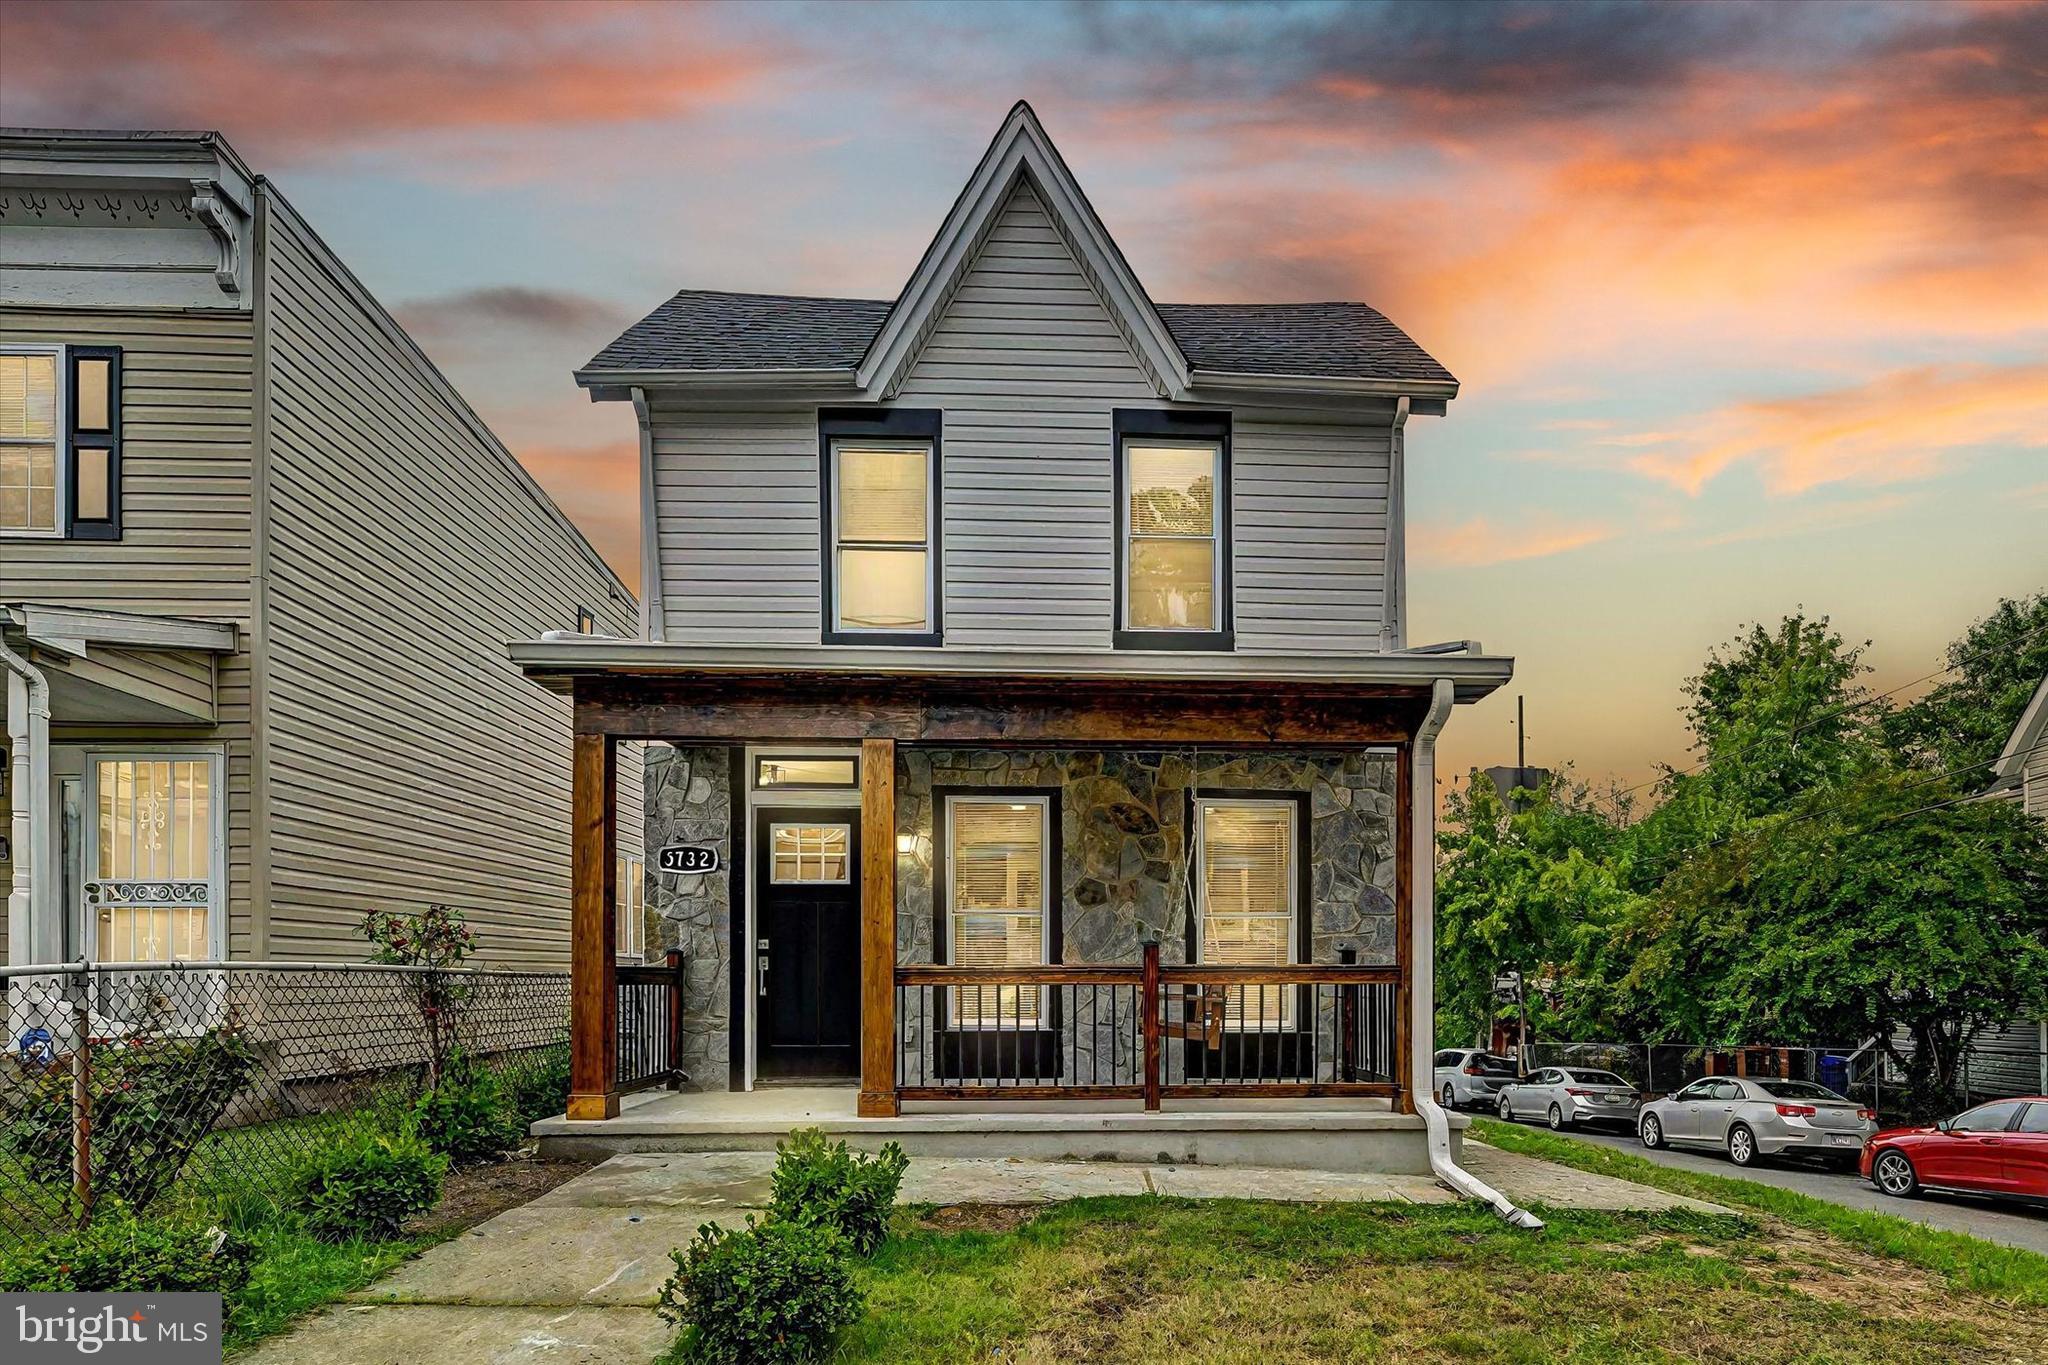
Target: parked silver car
1564, 1095
1466, 1076
1753, 1119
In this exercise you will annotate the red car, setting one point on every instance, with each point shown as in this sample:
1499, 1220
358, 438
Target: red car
1996, 1148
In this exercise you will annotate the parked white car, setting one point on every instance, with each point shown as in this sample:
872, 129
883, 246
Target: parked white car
1753, 1119
1468, 1077
1566, 1095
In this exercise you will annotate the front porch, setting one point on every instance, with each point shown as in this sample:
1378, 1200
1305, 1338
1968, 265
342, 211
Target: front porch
1194, 929
1358, 1135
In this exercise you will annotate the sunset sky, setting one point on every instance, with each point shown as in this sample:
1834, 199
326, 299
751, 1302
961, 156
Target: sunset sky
1750, 303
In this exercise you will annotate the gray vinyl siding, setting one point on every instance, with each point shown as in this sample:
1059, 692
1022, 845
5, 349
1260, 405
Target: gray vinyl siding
409, 761
187, 499
1028, 366
2034, 775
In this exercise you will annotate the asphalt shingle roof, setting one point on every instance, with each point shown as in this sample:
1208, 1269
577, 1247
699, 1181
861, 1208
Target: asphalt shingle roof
705, 330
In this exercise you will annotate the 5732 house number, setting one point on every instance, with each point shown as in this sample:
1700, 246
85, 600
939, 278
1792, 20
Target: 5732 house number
688, 858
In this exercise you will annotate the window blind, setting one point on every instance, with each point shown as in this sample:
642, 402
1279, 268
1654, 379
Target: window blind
997, 904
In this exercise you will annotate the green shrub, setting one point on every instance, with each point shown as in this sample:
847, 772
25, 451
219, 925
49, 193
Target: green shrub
122, 1253
540, 1088
467, 1117
367, 1186
773, 1293
153, 1099
822, 1183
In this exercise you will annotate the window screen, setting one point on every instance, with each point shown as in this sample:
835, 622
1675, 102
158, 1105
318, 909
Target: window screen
1248, 902
882, 545
996, 903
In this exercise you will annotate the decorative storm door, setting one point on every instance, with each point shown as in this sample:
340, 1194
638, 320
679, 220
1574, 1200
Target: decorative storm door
153, 864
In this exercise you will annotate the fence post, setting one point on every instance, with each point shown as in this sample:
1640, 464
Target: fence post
1347, 1018
81, 1107
673, 959
1148, 1019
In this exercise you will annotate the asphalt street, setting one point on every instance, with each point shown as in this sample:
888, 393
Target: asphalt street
1994, 1221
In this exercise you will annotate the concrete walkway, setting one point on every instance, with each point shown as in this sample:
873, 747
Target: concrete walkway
570, 1276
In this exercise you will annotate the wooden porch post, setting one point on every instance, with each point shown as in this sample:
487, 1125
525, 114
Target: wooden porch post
593, 958
877, 929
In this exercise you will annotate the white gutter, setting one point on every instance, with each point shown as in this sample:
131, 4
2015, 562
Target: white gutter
1422, 967
28, 747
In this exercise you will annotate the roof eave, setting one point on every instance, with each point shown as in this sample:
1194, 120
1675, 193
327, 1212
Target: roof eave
1444, 389
617, 385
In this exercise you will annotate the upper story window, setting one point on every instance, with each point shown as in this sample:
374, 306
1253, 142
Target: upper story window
1173, 530
880, 492
60, 442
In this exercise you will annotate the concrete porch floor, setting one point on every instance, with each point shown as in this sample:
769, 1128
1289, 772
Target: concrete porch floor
1354, 1136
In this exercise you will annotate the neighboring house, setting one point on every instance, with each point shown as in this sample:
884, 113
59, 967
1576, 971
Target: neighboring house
2012, 1058
258, 565
998, 629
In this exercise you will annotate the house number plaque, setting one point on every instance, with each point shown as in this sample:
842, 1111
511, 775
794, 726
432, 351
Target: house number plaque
689, 858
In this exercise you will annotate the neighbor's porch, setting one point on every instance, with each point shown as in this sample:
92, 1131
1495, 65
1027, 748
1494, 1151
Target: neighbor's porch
1320, 1027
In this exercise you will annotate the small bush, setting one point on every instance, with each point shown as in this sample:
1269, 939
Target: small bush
153, 1099
467, 1117
367, 1186
822, 1183
540, 1089
771, 1294
122, 1253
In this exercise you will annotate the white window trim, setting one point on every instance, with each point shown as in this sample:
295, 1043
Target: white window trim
1124, 535
777, 826
217, 906
1292, 882
631, 944
60, 438
1045, 890
931, 558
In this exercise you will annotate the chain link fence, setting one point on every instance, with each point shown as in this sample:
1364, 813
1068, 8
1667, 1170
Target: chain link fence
209, 1080
1996, 1066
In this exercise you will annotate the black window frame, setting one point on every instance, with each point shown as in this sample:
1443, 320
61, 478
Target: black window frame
107, 439
1173, 424
926, 425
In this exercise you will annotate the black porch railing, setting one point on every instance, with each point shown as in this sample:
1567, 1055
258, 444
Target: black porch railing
651, 1024
1147, 1031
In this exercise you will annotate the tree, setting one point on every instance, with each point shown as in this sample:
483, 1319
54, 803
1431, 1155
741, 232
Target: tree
1961, 724
1519, 889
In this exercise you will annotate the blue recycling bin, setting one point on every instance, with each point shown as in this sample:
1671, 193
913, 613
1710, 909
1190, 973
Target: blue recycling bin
1834, 1073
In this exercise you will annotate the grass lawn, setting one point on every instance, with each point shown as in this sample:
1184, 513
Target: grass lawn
1154, 1279
1983, 1267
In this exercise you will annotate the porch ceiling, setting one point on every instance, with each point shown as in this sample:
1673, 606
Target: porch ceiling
116, 668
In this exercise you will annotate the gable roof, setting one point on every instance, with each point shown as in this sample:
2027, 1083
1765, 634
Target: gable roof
869, 344
2027, 736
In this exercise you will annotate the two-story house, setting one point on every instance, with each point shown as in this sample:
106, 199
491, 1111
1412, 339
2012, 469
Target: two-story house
258, 565
1042, 723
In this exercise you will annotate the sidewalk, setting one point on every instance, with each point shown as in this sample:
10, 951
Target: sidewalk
570, 1276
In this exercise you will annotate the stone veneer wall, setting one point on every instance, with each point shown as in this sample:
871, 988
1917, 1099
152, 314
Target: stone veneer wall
689, 801
1124, 840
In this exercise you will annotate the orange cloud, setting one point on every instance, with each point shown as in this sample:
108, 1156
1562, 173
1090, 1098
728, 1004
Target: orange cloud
1478, 542
1900, 426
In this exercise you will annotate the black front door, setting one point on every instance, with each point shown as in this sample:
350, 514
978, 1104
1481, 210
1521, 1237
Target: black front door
807, 942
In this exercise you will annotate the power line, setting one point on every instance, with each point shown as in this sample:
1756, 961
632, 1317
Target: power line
1844, 708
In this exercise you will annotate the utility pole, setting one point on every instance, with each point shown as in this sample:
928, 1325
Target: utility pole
1521, 736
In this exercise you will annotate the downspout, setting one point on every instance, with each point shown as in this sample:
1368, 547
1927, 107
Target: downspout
653, 626
28, 747
1422, 956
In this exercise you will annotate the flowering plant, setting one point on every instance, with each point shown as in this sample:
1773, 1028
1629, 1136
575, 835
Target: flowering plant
438, 940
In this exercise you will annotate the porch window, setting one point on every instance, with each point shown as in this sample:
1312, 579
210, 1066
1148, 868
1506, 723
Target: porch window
1173, 555
882, 573
996, 903
60, 441
631, 906
1247, 852
154, 859
802, 774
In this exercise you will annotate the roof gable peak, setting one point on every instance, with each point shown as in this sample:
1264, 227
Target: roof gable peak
1021, 151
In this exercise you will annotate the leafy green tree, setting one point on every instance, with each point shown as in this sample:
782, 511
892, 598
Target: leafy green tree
1963, 721
1522, 887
